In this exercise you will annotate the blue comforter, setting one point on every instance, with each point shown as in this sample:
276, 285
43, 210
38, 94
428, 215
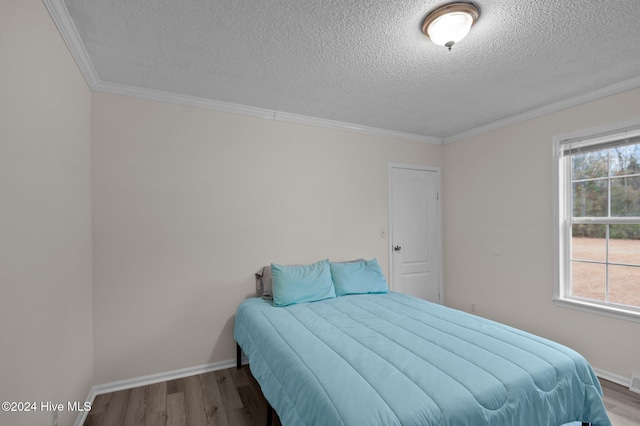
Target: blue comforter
396, 360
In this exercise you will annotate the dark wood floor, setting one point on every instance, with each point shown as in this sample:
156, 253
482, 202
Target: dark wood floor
226, 397
233, 397
623, 406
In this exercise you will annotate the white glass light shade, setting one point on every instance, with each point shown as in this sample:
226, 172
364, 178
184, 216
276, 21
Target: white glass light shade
451, 27
450, 23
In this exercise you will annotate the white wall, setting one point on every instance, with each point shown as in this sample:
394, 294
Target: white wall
189, 203
46, 344
498, 233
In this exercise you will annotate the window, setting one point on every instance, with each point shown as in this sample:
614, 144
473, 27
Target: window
598, 229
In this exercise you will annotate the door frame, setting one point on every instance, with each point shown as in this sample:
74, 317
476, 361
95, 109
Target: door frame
406, 166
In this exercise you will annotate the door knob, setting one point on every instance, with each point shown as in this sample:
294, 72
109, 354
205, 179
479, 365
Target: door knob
397, 248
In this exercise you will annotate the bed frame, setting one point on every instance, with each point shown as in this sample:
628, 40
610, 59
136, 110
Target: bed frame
270, 408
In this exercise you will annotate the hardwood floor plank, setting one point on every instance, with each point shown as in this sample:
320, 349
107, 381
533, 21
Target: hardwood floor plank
175, 386
100, 403
157, 397
114, 416
620, 389
623, 406
156, 405
255, 406
95, 419
98, 409
230, 397
175, 410
136, 407
622, 409
193, 404
158, 418
214, 407
239, 376
240, 416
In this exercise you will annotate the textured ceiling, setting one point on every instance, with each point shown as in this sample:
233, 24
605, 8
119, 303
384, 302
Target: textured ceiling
364, 62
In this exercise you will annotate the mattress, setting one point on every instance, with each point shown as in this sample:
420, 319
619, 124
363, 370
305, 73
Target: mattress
392, 359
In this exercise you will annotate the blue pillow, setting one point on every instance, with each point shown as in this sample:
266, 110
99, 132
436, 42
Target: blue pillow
359, 277
301, 283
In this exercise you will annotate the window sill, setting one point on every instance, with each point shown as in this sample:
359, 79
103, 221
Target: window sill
610, 311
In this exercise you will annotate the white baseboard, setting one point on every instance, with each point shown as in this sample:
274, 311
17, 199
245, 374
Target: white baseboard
615, 378
154, 378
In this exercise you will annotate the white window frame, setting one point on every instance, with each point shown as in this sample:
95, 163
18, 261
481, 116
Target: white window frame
562, 210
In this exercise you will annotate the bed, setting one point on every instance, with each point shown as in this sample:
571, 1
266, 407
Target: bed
385, 359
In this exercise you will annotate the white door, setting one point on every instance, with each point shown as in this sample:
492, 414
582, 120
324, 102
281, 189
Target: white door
415, 231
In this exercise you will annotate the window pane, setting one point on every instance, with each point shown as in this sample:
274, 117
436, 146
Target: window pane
588, 242
625, 196
588, 165
624, 160
590, 199
588, 280
624, 285
624, 244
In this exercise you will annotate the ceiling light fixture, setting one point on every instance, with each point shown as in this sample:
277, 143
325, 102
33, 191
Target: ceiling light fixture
450, 23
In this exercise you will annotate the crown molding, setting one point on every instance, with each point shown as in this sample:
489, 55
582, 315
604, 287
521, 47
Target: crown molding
193, 101
175, 98
332, 124
60, 15
614, 89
